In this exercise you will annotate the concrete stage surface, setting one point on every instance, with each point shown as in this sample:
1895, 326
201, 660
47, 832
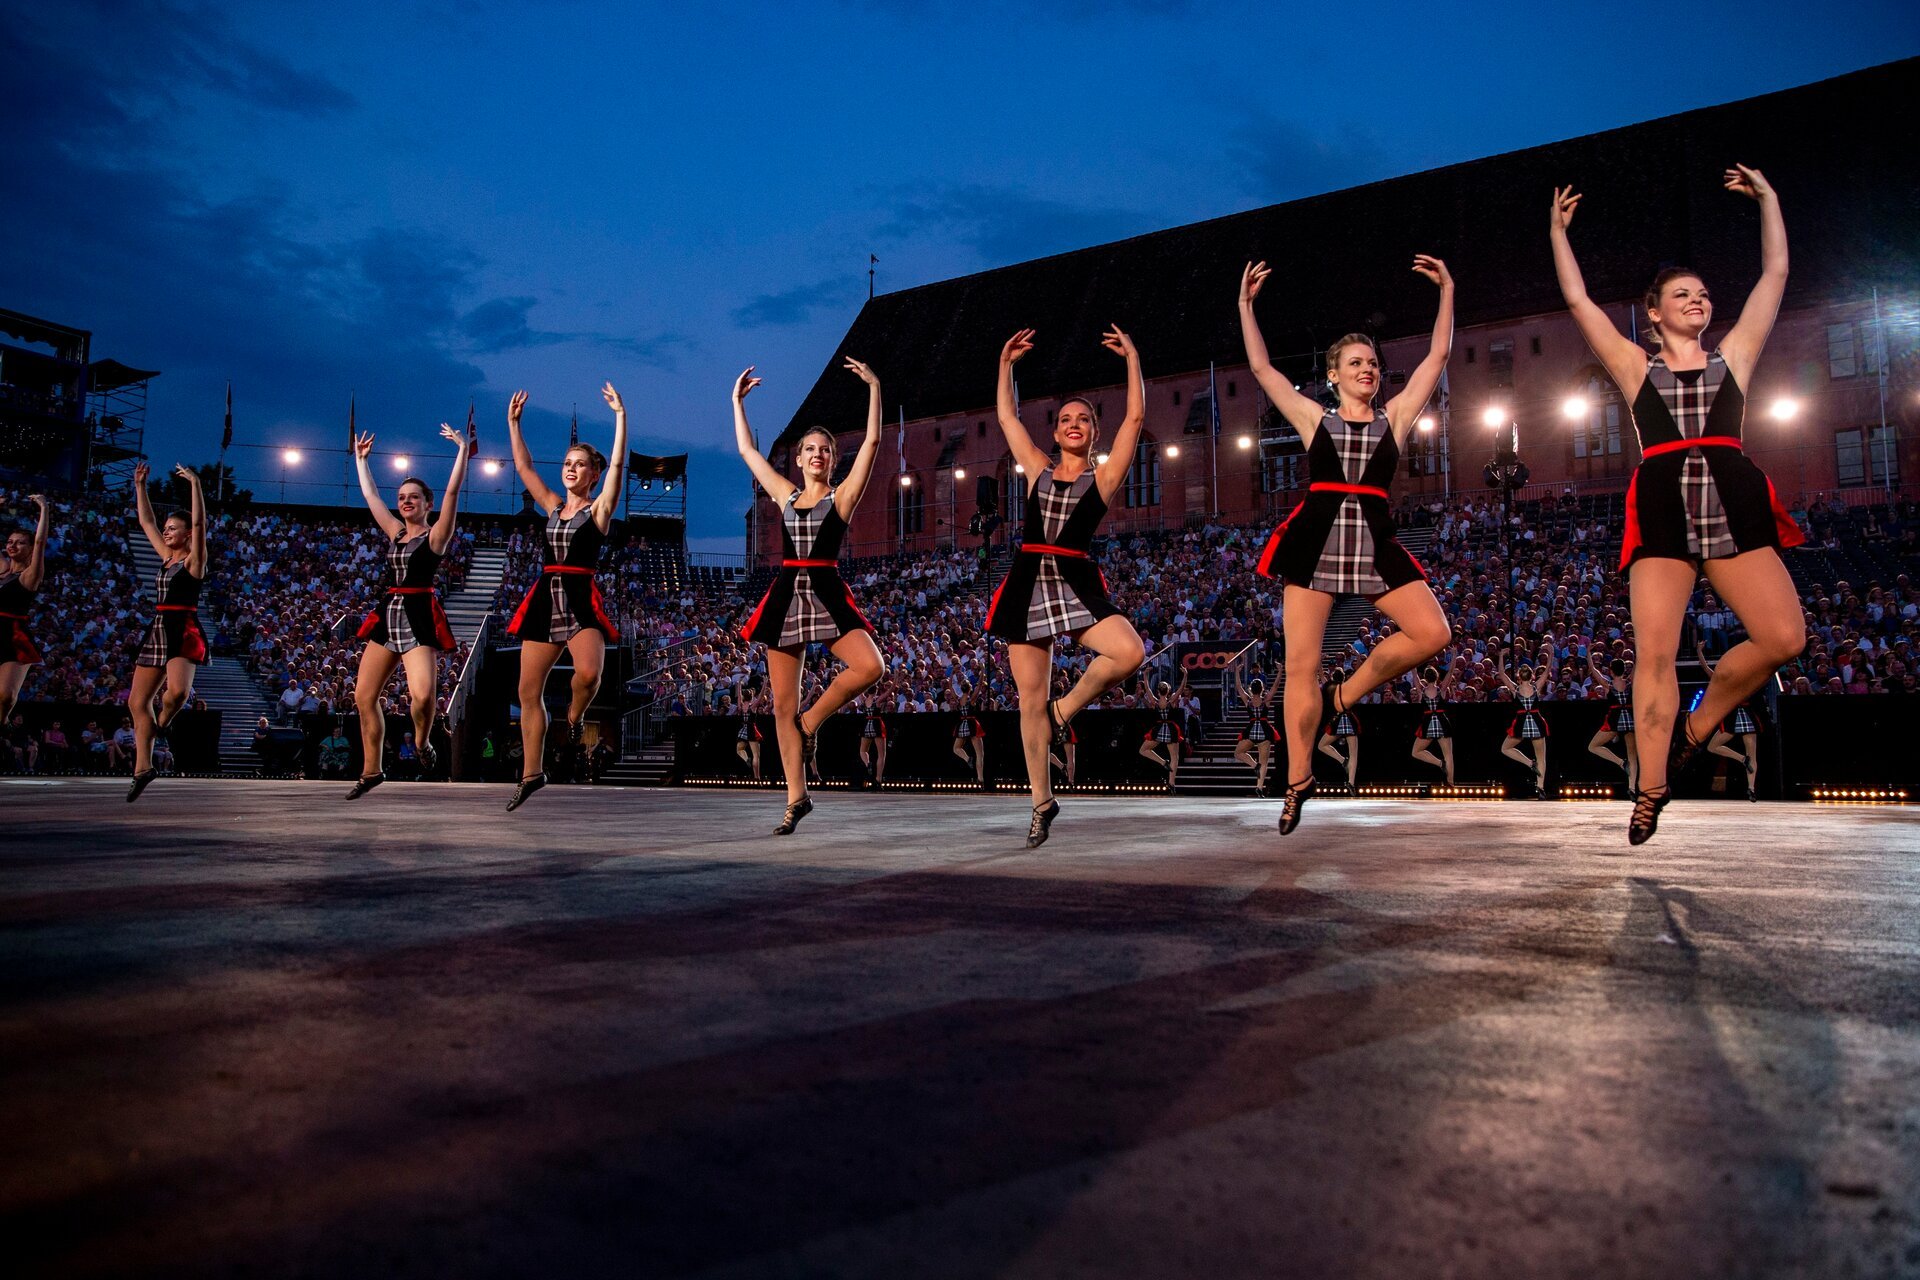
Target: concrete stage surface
249, 1029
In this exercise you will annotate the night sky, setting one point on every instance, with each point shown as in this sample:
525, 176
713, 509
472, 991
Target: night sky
426, 203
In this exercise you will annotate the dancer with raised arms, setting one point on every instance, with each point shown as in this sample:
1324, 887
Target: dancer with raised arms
1697, 503
808, 602
1340, 539
408, 628
175, 644
1053, 587
22, 569
1255, 745
564, 611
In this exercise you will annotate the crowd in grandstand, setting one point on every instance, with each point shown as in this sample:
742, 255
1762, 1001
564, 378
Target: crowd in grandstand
1549, 588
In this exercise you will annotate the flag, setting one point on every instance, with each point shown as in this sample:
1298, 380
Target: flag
573, 433
473, 432
226, 437
1213, 399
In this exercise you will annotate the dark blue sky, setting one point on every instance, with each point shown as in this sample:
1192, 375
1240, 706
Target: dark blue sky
429, 202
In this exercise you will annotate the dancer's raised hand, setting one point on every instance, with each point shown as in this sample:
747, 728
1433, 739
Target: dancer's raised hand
612, 398
1565, 201
1251, 279
448, 433
866, 374
1432, 268
1018, 345
1116, 341
744, 384
187, 473
515, 406
140, 473
363, 445
1750, 183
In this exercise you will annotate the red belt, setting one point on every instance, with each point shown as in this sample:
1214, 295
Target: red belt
809, 564
1368, 490
566, 568
409, 591
177, 608
1699, 442
1047, 549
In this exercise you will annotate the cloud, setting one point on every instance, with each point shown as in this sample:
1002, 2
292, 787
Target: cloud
502, 325
1005, 224
795, 305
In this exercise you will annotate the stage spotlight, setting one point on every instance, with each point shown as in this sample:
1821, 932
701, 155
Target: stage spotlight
1495, 416
959, 473
491, 467
1574, 407
1783, 409
1102, 460
291, 457
400, 461
906, 482
1426, 422
1245, 442
1018, 469
1173, 451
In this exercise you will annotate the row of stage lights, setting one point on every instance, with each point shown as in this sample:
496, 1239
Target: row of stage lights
1573, 408
401, 461
1875, 795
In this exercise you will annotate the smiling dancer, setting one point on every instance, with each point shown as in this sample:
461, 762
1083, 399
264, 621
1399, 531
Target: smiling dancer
1053, 587
563, 611
22, 570
175, 644
1697, 503
1341, 538
808, 602
409, 626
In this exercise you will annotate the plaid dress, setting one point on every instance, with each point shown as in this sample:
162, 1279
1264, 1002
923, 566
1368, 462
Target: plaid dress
1741, 721
1528, 725
1257, 728
565, 600
1053, 587
411, 614
16, 645
1620, 710
1340, 539
1697, 502
175, 632
1434, 724
808, 601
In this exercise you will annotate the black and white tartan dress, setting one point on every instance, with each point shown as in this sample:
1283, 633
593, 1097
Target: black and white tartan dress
565, 600
1054, 587
175, 632
411, 614
1528, 725
808, 601
1741, 720
1620, 710
1340, 538
1697, 501
1434, 724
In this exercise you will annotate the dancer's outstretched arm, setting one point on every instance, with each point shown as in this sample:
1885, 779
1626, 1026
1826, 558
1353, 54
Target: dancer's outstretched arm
1742, 346
442, 532
847, 496
197, 544
1405, 409
1019, 443
383, 515
1625, 362
1302, 412
777, 486
615, 480
1109, 475
36, 569
143, 509
543, 496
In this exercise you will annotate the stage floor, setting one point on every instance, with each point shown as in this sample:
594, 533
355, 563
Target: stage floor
249, 1029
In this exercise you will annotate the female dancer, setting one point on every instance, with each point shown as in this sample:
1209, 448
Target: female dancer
1435, 725
809, 602
1344, 727
1255, 748
969, 735
1063, 753
409, 627
1166, 731
873, 738
1697, 503
1619, 721
175, 645
1527, 725
563, 611
1742, 722
1053, 587
22, 569
1341, 538
747, 740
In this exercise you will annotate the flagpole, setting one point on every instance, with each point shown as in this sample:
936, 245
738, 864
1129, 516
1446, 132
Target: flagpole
226, 438
1213, 415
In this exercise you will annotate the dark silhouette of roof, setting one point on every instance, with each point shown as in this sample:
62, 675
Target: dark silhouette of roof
1833, 150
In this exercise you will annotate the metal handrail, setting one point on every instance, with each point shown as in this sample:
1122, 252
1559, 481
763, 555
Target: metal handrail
469, 675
